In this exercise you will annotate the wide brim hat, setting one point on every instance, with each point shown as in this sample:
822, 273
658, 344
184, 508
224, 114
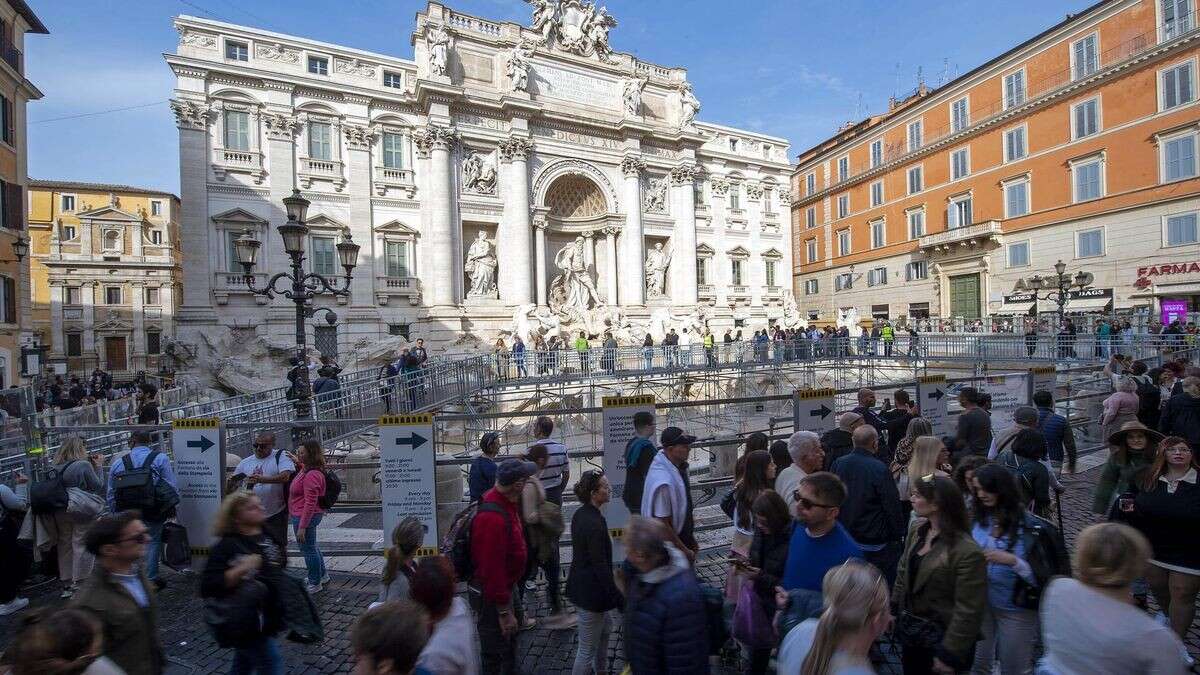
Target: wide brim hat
1118, 438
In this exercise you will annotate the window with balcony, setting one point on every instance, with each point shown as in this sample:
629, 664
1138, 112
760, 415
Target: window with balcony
1179, 157
396, 259
1014, 144
810, 184
393, 80
878, 234
843, 239
1018, 254
1176, 17
876, 153
1085, 118
916, 270
393, 150
320, 140
735, 271
960, 117
1016, 198
877, 193
1178, 85
843, 167
156, 237
843, 203
231, 263
237, 51
66, 203
318, 65
916, 223
877, 276
811, 287
74, 344
1089, 243
810, 217
810, 247
960, 163
151, 296
701, 271
735, 197
72, 295
915, 136
324, 256
1181, 229
958, 213
916, 180
237, 130
1088, 179
112, 295
1014, 89
1085, 56
769, 272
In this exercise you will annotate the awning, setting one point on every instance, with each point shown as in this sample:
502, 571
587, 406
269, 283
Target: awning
1089, 305
1014, 308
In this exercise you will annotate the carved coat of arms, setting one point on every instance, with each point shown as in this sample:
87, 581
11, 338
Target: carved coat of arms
576, 26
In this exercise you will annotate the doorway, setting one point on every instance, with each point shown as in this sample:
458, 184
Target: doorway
965, 296
115, 355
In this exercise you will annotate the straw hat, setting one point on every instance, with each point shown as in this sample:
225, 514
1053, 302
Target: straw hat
1152, 436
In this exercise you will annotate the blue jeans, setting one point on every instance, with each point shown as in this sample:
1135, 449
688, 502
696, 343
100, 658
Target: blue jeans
313, 560
154, 551
262, 658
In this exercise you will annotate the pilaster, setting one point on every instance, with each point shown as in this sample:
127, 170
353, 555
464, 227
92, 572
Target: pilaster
683, 246
631, 288
196, 232
437, 141
513, 239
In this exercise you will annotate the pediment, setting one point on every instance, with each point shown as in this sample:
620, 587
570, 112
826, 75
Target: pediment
739, 251
239, 216
396, 227
113, 321
109, 212
322, 221
772, 253
704, 249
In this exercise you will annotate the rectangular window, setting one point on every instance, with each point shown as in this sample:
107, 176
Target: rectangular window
1090, 243
769, 268
810, 217
960, 163
1179, 158
323, 256
320, 140
1182, 230
231, 238
843, 168
1018, 254
318, 65
1014, 89
72, 295
877, 193
960, 118
1014, 144
155, 236
735, 268
1088, 180
877, 276
1085, 57
1177, 86
1177, 18
958, 214
878, 234
396, 255
843, 237
66, 203
112, 295
156, 207
400, 329
153, 342
915, 136
8, 120
74, 344
876, 153
393, 150
811, 250
843, 281
1016, 198
843, 206
393, 80
735, 197
810, 287
810, 183
1085, 118
916, 271
916, 180
152, 296
237, 130
68, 232
237, 51
701, 271
916, 224
10, 300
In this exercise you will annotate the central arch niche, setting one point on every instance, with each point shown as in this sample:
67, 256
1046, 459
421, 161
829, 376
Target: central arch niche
574, 196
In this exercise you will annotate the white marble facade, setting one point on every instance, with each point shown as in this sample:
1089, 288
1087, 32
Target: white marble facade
535, 154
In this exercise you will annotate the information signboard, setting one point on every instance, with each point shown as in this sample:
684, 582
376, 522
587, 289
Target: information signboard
618, 412
931, 392
814, 410
407, 478
198, 460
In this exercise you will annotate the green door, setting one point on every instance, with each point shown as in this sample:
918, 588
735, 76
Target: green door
964, 296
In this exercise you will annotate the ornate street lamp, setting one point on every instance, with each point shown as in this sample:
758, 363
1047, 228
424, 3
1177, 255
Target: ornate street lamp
304, 285
20, 247
1057, 286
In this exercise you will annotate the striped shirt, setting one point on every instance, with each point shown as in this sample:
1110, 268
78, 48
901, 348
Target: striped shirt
556, 464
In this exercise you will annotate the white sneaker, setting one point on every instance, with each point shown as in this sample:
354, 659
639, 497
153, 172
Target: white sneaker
312, 589
325, 579
13, 607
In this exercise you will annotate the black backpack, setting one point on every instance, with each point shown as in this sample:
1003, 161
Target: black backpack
50, 495
333, 490
137, 488
457, 544
1149, 400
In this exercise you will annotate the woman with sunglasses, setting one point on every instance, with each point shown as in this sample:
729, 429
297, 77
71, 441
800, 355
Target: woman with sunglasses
940, 594
1166, 509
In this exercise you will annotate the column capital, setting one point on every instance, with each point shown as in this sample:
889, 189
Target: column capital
632, 166
611, 230
435, 137
683, 174
515, 149
192, 115
358, 137
785, 195
720, 185
281, 126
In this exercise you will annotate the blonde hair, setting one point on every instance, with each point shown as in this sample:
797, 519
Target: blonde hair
73, 448
406, 539
1110, 555
925, 456
225, 524
854, 593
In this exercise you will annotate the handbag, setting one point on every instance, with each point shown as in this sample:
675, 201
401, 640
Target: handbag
83, 506
914, 631
751, 625
728, 502
177, 551
234, 619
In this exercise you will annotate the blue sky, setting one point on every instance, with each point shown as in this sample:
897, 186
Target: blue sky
792, 68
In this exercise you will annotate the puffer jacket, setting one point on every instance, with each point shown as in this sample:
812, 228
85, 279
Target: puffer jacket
666, 627
1181, 417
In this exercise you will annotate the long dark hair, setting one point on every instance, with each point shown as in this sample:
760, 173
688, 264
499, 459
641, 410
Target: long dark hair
951, 508
1009, 512
771, 506
754, 481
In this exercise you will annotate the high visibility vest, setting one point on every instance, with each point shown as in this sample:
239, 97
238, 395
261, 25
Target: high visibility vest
889, 333
709, 341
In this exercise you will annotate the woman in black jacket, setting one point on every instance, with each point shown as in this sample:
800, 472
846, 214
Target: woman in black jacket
590, 584
238, 576
768, 557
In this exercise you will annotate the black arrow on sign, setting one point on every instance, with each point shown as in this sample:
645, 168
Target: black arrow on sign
936, 394
414, 439
821, 412
204, 443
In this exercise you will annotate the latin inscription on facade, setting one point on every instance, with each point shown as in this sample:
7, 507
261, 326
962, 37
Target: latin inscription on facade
576, 138
568, 85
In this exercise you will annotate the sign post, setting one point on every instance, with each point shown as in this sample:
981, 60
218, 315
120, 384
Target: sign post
1009, 392
618, 412
1041, 378
407, 478
814, 410
198, 446
931, 393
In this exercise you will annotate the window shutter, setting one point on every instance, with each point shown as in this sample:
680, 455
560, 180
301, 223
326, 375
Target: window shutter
10, 300
14, 206
1185, 83
9, 123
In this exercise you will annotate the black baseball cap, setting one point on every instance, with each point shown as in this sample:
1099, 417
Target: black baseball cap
675, 436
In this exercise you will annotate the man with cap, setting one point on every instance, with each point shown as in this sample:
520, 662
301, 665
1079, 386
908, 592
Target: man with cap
1024, 417
838, 442
499, 556
667, 495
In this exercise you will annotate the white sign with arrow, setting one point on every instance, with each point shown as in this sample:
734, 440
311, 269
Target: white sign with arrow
814, 409
199, 464
407, 478
931, 392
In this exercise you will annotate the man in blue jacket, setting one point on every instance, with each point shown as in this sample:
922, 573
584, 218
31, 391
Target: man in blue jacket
139, 442
871, 512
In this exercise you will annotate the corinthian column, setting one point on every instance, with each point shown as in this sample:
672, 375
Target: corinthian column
610, 263
631, 288
199, 237
539, 224
436, 142
683, 244
513, 239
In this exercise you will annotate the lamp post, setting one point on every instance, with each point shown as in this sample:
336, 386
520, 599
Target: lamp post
1056, 287
304, 285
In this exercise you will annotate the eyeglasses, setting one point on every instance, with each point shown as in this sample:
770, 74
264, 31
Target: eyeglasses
808, 504
1179, 449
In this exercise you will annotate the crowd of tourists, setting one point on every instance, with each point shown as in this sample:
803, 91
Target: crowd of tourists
99, 387
876, 541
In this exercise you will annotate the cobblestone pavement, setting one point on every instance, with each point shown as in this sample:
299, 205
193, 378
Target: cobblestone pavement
191, 649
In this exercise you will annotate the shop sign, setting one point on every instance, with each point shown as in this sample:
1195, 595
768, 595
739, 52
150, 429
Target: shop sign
1145, 273
1172, 310
1090, 293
